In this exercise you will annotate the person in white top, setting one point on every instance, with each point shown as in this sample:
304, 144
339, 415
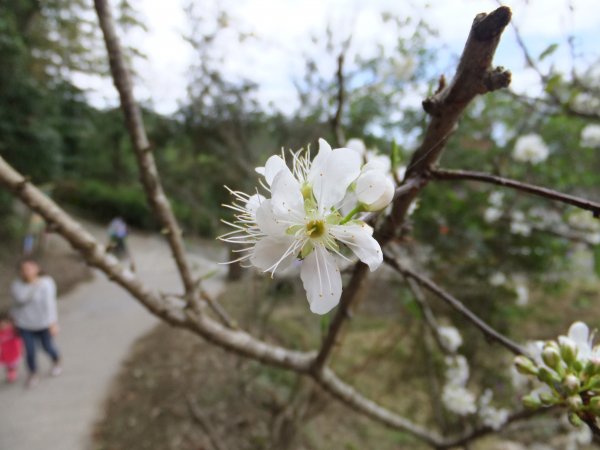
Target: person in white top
35, 315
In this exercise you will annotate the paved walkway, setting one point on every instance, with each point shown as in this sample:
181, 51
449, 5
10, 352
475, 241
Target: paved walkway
99, 322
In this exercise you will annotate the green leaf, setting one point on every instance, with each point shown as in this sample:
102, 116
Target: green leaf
597, 260
548, 51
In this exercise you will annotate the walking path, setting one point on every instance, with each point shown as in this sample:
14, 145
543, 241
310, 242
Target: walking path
99, 323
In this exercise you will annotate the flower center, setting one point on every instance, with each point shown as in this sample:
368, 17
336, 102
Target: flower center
315, 228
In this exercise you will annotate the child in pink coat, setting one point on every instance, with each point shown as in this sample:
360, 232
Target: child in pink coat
10, 347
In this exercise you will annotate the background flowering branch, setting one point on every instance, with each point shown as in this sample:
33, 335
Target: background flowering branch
475, 76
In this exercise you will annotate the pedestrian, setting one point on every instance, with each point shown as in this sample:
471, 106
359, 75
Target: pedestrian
34, 238
117, 235
10, 347
35, 315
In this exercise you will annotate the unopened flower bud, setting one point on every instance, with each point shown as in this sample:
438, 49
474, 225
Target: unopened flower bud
548, 376
591, 368
572, 383
525, 366
575, 402
551, 356
374, 190
547, 398
531, 402
595, 405
568, 350
575, 420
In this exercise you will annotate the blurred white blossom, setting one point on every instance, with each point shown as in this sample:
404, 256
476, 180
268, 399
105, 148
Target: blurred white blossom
497, 279
492, 214
518, 224
530, 148
590, 136
459, 400
450, 338
493, 417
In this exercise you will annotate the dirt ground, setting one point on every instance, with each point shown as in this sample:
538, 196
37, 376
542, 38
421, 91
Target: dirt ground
174, 387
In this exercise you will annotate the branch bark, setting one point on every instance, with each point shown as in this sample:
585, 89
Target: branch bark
457, 305
445, 174
474, 76
139, 140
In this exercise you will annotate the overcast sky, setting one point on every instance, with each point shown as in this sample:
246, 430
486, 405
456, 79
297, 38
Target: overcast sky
283, 29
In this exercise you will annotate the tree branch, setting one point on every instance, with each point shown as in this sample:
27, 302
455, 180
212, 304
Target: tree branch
484, 430
236, 341
457, 305
445, 174
135, 127
474, 76
336, 120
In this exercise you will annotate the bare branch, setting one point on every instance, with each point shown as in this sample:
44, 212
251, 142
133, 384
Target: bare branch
474, 76
336, 120
484, 430
457, 305
135, 126
444, 174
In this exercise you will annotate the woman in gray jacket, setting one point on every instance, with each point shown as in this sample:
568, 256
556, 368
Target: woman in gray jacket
35, 316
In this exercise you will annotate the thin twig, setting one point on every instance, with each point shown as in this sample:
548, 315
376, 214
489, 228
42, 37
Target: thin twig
445, 174
474, 76
336, 120
485, 430
148, 171
201, 419
457, 305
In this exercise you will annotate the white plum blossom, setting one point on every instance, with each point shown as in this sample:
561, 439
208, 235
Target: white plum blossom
530, 148
580, 338
450, 338
457, 370
459, 400
590, 136
373, 191
493, 417
522, 294
455, 396
497, 279
494, 211
584, 220
492, 214
586, 103
302, 220
518, 225
496, 199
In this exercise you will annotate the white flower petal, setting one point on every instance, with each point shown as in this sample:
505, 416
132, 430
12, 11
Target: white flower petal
267, 222
272, 167
319, 161
322, 280
579, 332
254, 203
339, 170
359, 239
272, 253
286, 197
374, 189
357, 145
